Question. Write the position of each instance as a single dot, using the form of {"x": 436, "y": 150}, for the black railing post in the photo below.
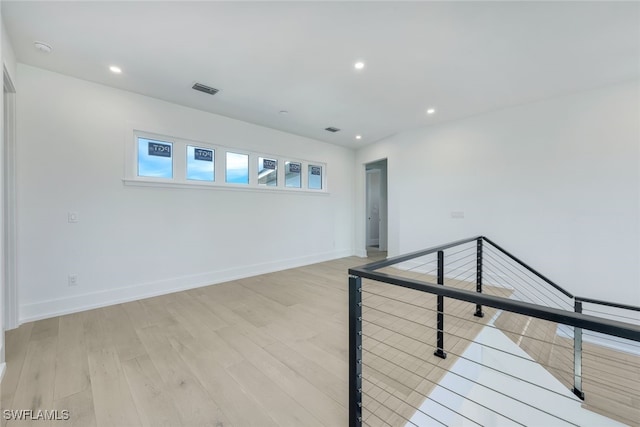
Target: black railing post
{"x": 355, "y": 351}
{"x": 577, "y": 355}
{"x": 479, "y": 312}
{"x": 440, "y": 333}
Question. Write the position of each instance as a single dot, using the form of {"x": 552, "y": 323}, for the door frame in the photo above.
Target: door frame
{"x": 368, "y": 240}
{"x": 384, "y": 203}
{"x": 9, "y": 212}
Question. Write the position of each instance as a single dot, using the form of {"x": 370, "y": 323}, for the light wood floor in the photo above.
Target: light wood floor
{"x": 611, "y": 379}
{"x": 263, "y": 351}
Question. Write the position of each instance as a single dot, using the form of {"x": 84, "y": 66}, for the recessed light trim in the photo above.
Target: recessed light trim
{"x": 431, "y": 111}
{"x": 42, "y": 47}
{"x": 284, "y": 112}
{"x": 332, "y": 129}
{"x": 358, "y": 65}
{"x": 115, "y": 69}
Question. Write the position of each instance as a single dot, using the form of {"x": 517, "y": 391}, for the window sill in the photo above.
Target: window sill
{"x": 215, "y": 186}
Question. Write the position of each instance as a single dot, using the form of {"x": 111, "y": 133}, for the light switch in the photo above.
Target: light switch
{"x": 73, "y": 217}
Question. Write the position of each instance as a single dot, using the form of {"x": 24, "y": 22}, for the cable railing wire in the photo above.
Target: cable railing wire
{"x": 566, "y": 329}
{"x": 468, "y": 259}
{"x": 488, "y": 367}
{"x": 598, "y": 357}
{"x": 389, "y": 409}
{"x": 557, "y": 368}
{"x": 471, "y": 247}
{"x": 451, "y": 391}
{"x": 421, "y": 394}
{"x": 590, "y": 310}
{"x": 450, "y": 315}
{"x": 610, "y": 339}
{"x": 395, "y": 397}
{"x": 528, "y": 295}
{"x": 527, "y": 278}
{"x": 460, "y": 376}
{"x": 531, "y": 293}
{"x": 474, "y": 362}
{"x": 523, "y": 287}
{"x": 541, "y": 283}
{"x": 464, "y": 338}
{"x": 504, "y": 330}
{"x": 376, "y": 415}
{"x": 525, "y": 268}
{"x": 553, "y": 300}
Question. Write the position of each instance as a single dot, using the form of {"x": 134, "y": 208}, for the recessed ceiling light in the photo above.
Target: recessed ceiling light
{"x": 284, "y": 112}
{"x": 431, "y": 110}
{"x": 358, "y": 136}
{"x": 358, "y": 65}
{"x": 115, "y": 69}
{"x": 43, "y": 47}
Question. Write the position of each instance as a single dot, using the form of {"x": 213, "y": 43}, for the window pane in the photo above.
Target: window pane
{"x": 155, "y": 158}
{"x": 292, "y": 174}
{"x": 267, "y": 172}
{"x": 237, "y": 168}
{"x": 200, "y": 163}
{"x": 315, "y": 177}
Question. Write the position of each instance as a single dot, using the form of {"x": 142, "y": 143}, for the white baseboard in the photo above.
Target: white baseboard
{"x": 362, "y": 253}
{"x": 61, "y": 306}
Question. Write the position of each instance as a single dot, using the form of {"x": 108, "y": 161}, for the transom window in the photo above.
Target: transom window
{"x": 155, "y": 159}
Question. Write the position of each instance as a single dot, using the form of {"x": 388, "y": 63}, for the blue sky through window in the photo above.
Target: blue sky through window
{"x": 155, "y": 158}
{"x": 293, "y": 176}
{"x": 237, "y": 168}
{"x": 200, "y": 167}
{"x": 315, "y": 177}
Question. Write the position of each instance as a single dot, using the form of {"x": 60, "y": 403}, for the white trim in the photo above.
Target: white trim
{"x": 3, "y": 368}
{"x": 10, "y": 213}
{"x": 179, "y": 162}
{"x": 202, "y": 185}
{"x": 362, "y": 253}
{"x": 76, "y": 303}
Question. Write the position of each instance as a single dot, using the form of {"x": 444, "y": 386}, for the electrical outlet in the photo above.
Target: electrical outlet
{"x": 73, "y": 280}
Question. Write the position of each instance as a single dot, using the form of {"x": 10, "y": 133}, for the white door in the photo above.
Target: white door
{"x": 373, "y": 207}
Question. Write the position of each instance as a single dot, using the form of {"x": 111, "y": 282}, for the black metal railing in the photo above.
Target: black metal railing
{"x": 476, "y": 271}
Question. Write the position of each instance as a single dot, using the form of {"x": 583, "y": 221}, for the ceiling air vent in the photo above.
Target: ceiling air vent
{"x": 205, "y": 89}
{"x": 332, "y": 129}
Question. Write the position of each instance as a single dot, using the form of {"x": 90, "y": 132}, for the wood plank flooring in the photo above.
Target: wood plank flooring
{"x": 611, "y": 378}
{"x": 270, "y": 350}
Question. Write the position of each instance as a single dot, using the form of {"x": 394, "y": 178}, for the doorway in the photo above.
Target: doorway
{"x": 376, "y": 207}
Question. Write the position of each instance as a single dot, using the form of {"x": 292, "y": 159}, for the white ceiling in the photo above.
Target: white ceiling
{"x": 463, "y": 58}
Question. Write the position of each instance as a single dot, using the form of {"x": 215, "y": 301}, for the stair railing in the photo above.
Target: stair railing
{"x": 482, "y": 258}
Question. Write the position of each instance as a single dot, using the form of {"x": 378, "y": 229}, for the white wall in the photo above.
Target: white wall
{"x": 133, "y": 242}
{"x": 555, "y": 182}
{"x": 8, "y": 55}
{"x": 2, "y": 282}
{"x": 9, "y": 144}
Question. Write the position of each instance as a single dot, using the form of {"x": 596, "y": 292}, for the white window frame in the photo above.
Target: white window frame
{"x": 179, "y": 158}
